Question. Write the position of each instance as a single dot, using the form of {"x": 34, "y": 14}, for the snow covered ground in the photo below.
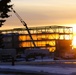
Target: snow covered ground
{"x": 43, "y": 69}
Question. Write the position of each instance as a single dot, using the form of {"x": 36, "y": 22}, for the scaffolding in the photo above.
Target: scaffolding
{"x": 44, "y": 36}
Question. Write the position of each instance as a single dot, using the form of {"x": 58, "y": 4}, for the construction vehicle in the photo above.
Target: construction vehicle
{"x": 34, "y": 50}
{"x": 23, "y": 22}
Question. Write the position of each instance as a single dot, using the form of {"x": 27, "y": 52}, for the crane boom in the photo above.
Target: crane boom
{"x": 23, "y": 22}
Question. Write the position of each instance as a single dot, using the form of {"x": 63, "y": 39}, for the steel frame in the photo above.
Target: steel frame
{"x": 44, "y": 36}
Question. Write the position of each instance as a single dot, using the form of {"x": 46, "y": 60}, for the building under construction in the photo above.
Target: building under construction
{"x": 43, "y": 37}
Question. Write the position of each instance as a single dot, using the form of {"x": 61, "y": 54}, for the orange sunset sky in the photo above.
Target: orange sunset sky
{"x": 42, "y": 12}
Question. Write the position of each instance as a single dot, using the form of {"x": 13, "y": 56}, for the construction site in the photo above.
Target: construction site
{"x": 44, "y": 44}
{"x": 41, "y": 40}
{"x": 44, "y": 37}
{"x": 49, "y": 37}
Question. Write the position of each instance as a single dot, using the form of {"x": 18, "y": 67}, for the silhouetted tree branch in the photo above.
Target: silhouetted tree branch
{"x": 4, "y": 9}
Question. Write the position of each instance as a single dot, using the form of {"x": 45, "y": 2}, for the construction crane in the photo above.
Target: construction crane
{"x": 23, "y": 22}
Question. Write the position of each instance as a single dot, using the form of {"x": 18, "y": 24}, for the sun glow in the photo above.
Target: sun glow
{"x": 74, "y": 36}
{"x": 74, "y": 42}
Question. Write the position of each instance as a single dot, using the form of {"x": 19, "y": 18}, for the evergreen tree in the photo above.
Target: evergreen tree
{"x": 4, "y": 9}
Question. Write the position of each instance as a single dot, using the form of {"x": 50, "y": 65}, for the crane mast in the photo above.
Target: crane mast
{"x": 23, "y": 22}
